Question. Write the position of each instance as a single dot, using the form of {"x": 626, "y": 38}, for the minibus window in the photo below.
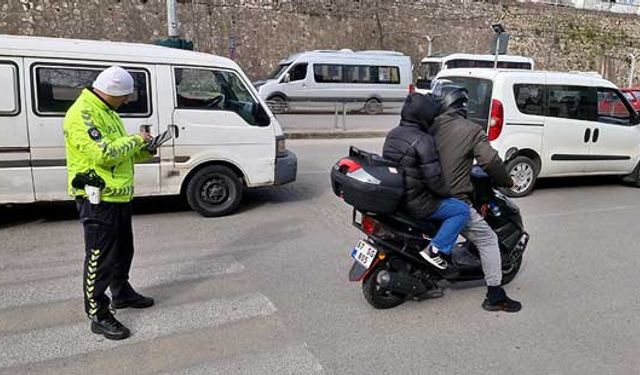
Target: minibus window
{"x": 209, "y": 89}
{"x": 58, "y": 87}
{"x": 275, "y": 74}
{"x": 9, "y": 98}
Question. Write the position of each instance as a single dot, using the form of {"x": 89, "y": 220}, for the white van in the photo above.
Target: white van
{"x": 549, "y": 124}
{"x": 368, "y": 77}
{"x": 430, "y": 66}
{"x": 228, "y": 139}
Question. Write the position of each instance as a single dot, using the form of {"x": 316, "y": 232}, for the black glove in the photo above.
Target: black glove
{"x": 88, "y": 178}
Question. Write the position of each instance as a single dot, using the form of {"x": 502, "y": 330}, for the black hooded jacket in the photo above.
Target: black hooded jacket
{"x": 410, "y": 145}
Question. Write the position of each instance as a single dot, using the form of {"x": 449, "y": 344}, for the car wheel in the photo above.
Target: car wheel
{"x": 372, "y": 107}
{"x": 215, "y": 190}
{"x": 524, "y": 173}
{"x": 278, "y": 104}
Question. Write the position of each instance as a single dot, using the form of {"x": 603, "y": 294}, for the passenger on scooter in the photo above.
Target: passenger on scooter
{"x": 427, "y": 195}
{"x": 459, "y": 142}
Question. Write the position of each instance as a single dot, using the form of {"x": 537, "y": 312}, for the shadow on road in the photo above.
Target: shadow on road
{"x": 573, "y": 182}
{"x": 19, "y": 214}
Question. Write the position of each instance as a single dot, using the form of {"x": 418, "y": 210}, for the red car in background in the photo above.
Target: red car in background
{"x": 633, "y": 96}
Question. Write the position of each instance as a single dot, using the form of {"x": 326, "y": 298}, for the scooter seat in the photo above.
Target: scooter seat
{"x": 428, "y": 226}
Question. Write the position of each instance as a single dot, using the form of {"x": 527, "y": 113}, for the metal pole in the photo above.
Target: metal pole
{"x": 172, "y": 19}
{"x": 495, "y": 62}
{"x": 335, "y": 117}
{"x": 344, "y": 116}
{"x": 430, "y": 39}
{"x": 632, "y": 71}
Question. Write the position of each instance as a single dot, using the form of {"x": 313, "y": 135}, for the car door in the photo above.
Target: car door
{"x": 567, "y": 128}
{"x": 615, "y": 138}
{"x": 16, "y": 183}
{"x": 295, "y": 82}
{"x": 55, "y": 85}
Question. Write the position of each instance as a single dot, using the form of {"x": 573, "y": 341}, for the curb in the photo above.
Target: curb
{"x": 335, "y": 134}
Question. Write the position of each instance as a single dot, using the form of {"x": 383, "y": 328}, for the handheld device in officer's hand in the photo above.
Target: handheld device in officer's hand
{"x": 159, "y": 140}
{"x": 91, "y": 183}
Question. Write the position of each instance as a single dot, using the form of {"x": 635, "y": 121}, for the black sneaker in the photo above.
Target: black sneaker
{"x": 497, "y": 300}
{"x": 137, "y": 301}
{"x": 106, "y": 324}
{"x": 433, "y": 257}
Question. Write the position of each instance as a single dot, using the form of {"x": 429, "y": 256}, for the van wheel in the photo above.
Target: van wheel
{"x": 524, "y": 172}
{"x": 278, "y": 104}
{"x": 372, "y": 107}
{"x": 214, "y": 191}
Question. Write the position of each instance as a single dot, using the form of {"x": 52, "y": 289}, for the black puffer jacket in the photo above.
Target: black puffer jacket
{"x": 410, "y": 145}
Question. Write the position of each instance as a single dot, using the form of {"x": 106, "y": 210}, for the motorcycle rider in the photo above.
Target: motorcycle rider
{"x": 427, "y": 196}
{"x": 459, "y": 141}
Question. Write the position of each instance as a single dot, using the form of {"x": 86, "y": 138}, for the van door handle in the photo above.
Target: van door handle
{"x": 587, "y": 135}
{"x": 596, "y": 133}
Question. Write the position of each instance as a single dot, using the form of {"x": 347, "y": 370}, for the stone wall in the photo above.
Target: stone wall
{"x": 264, "y": 31}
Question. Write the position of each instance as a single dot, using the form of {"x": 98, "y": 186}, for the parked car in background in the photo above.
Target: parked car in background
{"x": 430, "y": 66}
{"x": 633, "y": 96}
{"x": 368, "y": 77}
{"x": 550, "y": 124}
{"x": 228, "y": 138}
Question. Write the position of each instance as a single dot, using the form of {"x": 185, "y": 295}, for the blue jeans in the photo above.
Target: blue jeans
{"x": 454, "y": 214}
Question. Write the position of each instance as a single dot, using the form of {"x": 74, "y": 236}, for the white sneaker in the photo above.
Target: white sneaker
{"x": 432, "y": 255}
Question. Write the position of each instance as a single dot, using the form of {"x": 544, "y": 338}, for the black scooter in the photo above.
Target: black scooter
{"x": 387, "y": 262}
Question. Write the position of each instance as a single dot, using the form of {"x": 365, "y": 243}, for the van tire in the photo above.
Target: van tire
{"x": 278, "y": 104}
{"x": 526, "y": 172}
{"x": 214, "y": 190}
{"x": 372, "y": 106}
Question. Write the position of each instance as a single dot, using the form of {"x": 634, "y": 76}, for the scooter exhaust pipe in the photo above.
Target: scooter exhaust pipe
{"x": 400, "y": 283}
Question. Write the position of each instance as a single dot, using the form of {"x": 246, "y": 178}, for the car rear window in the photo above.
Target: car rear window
{"x": 480, "y": 91}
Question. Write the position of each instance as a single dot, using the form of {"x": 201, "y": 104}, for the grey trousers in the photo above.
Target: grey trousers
{"x": 480, "y": 234}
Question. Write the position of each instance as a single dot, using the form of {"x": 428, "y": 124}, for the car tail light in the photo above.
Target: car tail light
{"x": 412, "y": 88}
{"x": 369, "y": 225}
{"x": 347, "y": 165}
{"x": 497, "y": 119}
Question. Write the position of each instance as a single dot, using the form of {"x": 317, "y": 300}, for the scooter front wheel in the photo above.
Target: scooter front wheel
{"x": 377, "y": 296}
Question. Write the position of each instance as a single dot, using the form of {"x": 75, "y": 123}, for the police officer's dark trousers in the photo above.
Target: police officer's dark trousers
{"x": 108, "y": 238}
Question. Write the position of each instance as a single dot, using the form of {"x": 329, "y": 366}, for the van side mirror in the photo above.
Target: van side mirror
{"x": 287, "y": 78}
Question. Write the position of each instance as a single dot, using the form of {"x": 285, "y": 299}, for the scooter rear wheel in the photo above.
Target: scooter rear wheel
{"x": 510, "y": 274}
{"x": 375, "y": 295}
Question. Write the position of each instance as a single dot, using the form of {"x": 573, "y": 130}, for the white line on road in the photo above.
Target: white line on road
{"x": 287, "y": 361}
{"x": 71, "y": 286}
{"x": 64, "y": 341}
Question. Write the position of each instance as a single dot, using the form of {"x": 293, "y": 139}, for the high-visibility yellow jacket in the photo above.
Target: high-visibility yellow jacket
{"x": 95, "y": 139}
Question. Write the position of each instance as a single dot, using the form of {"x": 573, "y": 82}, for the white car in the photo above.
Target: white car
{"x": 368, "y": 77}
{"x": 550, "y": 124}
{"x": 228, "y": 138}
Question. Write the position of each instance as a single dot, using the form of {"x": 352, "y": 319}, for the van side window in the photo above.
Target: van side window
{"x": 217, "y": 90}
{"x": 611, "y": 108}
{"x": 57, "y": 87}
{"x": 572, "y": 102}
{"x": 298, "y": 72}
{"x": 529, "y": 99}
{"x": 333, "y": 73}
{"x": 9, "y": 99}
{"x": 327, "y": 73}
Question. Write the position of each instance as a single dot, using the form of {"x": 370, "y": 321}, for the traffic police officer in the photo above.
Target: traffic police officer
{"x": 100, "y": 163}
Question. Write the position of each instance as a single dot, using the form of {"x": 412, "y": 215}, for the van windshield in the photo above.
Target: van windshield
{"x": 277, "y": 72}
{"x": 480, "y": 91}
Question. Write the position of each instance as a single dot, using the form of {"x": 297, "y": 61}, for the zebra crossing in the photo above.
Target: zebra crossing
{"x": 203, "y": 330}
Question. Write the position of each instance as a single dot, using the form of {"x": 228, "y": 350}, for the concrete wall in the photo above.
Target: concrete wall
{"x": 264, "y": 31}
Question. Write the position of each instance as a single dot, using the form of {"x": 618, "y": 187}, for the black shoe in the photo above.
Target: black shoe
{"x": 109, "y": 327}
{"x": 433, "y": 257}
{"x": 137, "y": 301}
{"x": 497, "y": 300}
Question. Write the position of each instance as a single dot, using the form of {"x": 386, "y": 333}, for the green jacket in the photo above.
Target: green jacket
{"x": 95, "y": 139}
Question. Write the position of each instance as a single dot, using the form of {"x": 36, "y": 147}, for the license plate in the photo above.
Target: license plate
{"x": 364, "y": 253}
